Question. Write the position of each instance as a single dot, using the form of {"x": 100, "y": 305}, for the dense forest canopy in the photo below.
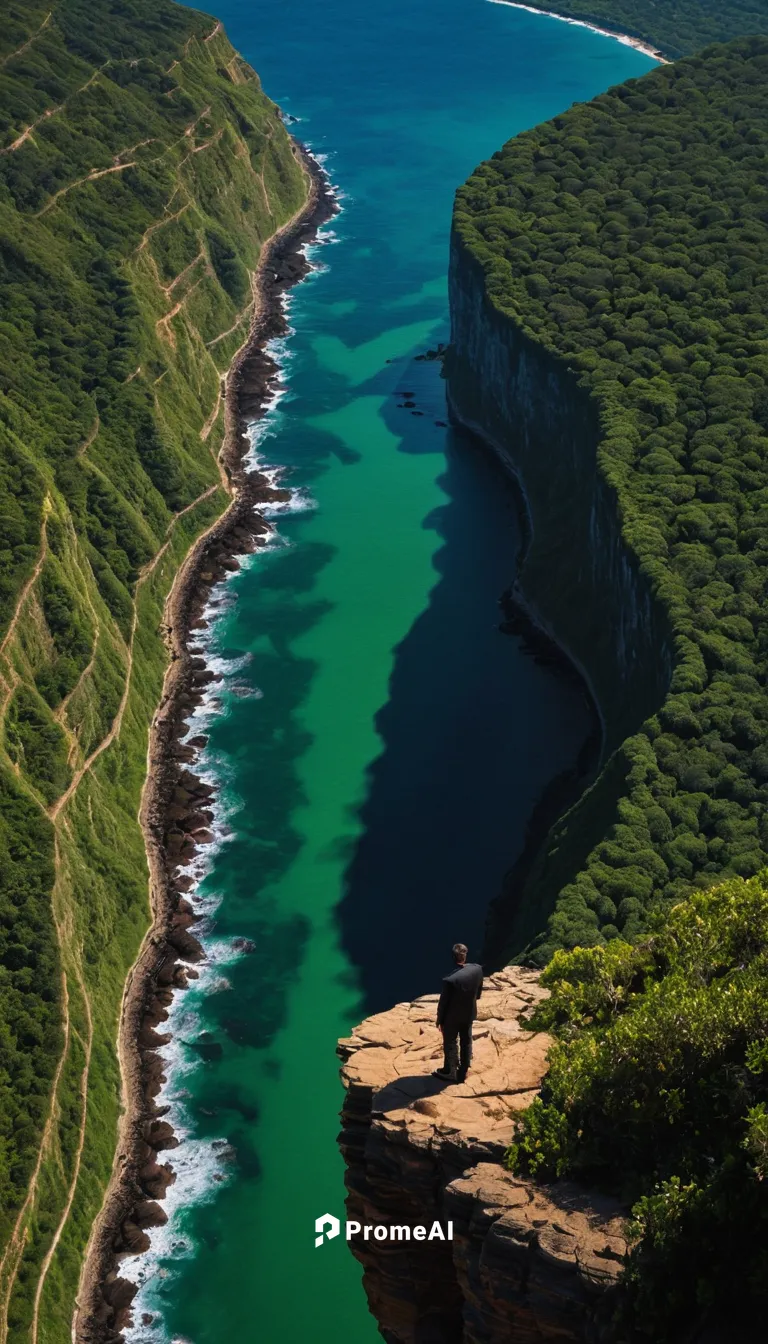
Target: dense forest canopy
{"x": 658, "y": 1090}
{"x": 141, "y": 168}
{"x": 676, "y": 27}
{"x": 630, "y": 238}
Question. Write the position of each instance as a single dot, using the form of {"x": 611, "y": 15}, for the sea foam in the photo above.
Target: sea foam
{"x": 202, "y": 1166}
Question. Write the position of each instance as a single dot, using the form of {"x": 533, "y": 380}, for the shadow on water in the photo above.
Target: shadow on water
{"x": 262, "y": 741}
{"x": 447, "y": 800}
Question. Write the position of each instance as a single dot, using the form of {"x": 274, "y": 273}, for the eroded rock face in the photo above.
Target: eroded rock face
{"x": 526, "y": 1263}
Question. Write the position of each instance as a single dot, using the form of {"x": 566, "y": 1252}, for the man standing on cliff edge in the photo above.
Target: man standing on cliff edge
{"x": 456, "y": 1012}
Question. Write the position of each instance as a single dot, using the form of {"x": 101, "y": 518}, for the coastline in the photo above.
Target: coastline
{"x": 175, "y": 832}
{"x": 628, "y": 41}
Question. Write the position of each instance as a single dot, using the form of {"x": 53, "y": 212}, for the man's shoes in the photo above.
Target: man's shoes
{"x": 445, "y": 1075}
{"x": 462, "y": 1077}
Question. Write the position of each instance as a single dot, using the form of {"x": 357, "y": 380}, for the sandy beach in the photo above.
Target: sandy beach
{"x": 628, "y": 41}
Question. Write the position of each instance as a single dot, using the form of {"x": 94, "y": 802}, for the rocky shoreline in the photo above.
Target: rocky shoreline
{"x": 176, "y": 810}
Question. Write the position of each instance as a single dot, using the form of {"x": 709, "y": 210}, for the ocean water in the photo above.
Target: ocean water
{"x": 378, "y": 744}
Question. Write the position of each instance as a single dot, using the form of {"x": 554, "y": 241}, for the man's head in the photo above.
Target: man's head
{"x": 459, "y": 953}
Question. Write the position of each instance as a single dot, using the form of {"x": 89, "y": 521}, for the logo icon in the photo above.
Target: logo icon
{"x": 327, "y": 1226}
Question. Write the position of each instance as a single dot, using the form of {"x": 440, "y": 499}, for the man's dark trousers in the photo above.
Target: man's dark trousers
{"x": 456, "y": 1011}
{"x": 457, "y": 1048}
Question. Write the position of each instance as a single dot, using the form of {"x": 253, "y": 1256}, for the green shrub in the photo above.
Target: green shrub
{"x": 658, "y": 1090}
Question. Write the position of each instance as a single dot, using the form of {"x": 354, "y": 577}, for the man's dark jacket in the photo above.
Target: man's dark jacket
{"x": 458, "y": 1000}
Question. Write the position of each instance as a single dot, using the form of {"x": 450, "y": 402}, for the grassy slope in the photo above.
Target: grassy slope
{"x": 674, "y": 27}
{"x": 141, "y": 168}
{"x": 628, "y": 239}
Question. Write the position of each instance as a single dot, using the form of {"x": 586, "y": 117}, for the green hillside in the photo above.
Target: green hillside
{"x": 629, "y": 239}
{"x": 141, "y": 169}
{"x": 675, "y": 27}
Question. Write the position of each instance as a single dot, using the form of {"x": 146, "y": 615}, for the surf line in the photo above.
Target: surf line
{"x": 624, "y": 38}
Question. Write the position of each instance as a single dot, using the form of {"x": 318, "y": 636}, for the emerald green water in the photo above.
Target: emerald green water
{"x": 379, "y": 745}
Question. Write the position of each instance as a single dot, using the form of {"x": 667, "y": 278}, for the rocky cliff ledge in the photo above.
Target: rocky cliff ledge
{"x": 527, "y": 1263}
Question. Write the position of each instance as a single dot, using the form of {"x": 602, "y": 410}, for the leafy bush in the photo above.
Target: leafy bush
{"x": 658, "y": 1090}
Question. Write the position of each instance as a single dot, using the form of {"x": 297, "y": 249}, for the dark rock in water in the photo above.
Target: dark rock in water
{"x": 161, "y": 1136}
{"x": 441, "y": 424}
{"x": 119, "y": 1293}
{"x": 243, "y": 945}
{"x": 417, "y": 412}
{"x": 209, "y": 1051}
{"x": 132, "y": 1238}
{"x": 156, "y": 1179}
{"x": 148, "y": 1213}
{"x": 146, "y": 1318}
{"x": 203, "y": 837}
{"x": 184, "y": 943}
{"x": 409, "y": 404}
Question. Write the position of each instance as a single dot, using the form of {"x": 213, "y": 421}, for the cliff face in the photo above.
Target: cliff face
{"x": 577, "y": 580}
{"x": 526, "y": 1262}
{"x": 578, "y": 577}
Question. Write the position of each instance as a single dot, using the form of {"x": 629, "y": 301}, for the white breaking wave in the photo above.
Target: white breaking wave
{"x": 201, "y": 1166}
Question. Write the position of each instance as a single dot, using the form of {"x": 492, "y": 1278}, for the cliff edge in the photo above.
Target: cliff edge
{"x": 526, "y": 1262}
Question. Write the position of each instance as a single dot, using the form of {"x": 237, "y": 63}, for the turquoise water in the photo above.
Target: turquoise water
{"x": 379, "y": 743}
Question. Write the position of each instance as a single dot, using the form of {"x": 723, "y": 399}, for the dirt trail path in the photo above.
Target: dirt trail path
{"x": 61, "y": 712}
{"x": 13, "y": 54}
{"x": 163, "y": 325}
{"x": 93, "y": 176}
{"x": 213, "y": 417}
{"x": 29, "y": 130}
{"x": 32, "y": 580}
{"x": 14, "y": 1249}
{"x": 160, "y": 223}
{"x": 85, "y": 445}
{"x": 177, "y": 279}
{"x": 51, "y": 112}
{"x": 238, "y": 322}
{"x": 66, "y": 933}
{"x": 55, "y": 809}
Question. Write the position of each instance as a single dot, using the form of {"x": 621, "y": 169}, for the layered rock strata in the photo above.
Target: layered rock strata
{"x": 527, "y": 1263}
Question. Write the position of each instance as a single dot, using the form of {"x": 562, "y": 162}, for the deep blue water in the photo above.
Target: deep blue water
{"x": 380, "y": 782}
